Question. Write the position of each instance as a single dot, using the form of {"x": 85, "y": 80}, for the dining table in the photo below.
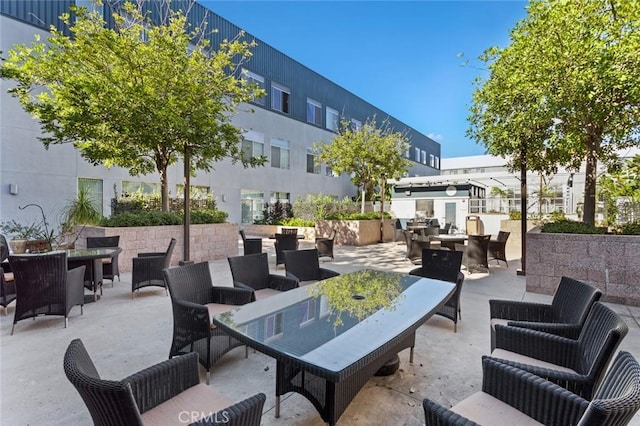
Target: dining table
{"x": 92, "y": 260}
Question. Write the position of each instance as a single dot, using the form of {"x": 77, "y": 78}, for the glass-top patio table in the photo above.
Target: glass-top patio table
{"x": 330, "y": 337}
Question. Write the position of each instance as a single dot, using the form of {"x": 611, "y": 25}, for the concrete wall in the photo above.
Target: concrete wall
{"x": 208, "y": 242}
{"x": 609, "y": 262}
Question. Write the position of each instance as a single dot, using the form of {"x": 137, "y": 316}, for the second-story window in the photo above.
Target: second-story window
{"x": 416, "y": 154}
{"x": 332, "y": 119}
{"x": 314, "y": 112}
{"x": 356, "y": 124}
{"x": 280, "y": 154}
{"x": 280, "y": 98}
{"x": 432, "y": 160}
{"x": 253, "y": 78}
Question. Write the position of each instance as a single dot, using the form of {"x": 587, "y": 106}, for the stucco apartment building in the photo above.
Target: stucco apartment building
{"x": 301, "y": 107}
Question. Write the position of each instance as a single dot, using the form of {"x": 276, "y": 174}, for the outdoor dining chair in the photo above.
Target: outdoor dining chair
{"x": 511, "y": 396}
{"x": 44, "y": 286}
{"x": 497, "y": 247}
{"x": 564, "y": 316}
{"x": 304, "y": 266}
{"x": 576, "y": 365}
{"x": 250, "y": 245}
{"x": 324, "y": 245}
{"x": 444, "y": 265}
{"x": 7, "y": 283}
{"x": 194, "y": 300}
{"x": 110, "y": 268}
{"x": 147, "y": 269}
{"x": 285, "y": 242}
{"x": 163, "y": 394}
{"x": 252, "y": 272}
{"x": 474, "y": 256}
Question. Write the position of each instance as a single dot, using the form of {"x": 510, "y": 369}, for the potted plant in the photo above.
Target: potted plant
{"x": 81, "y": 211}
{"x": 20, "y": 234}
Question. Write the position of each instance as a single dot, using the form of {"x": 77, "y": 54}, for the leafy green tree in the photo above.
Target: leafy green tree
{"x": 619, "y": 183}
{"x": 369, "y": 154}
{"x": 565, "y": 91}
{"x": 137, "y": 96}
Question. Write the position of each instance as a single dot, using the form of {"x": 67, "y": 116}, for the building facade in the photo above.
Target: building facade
{"x": 301, "y": 108}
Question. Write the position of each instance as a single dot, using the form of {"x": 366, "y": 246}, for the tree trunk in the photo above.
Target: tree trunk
{"x": 164, "y": 189}
{"x": 589, "y": 214}
{"x": 364, "y": 193}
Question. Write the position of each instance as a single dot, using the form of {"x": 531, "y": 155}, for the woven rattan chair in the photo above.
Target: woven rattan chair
{"x": 167, "y": 393}
{"x": 285, "y": 242}
{"x": 304, "y": 266}
{"x": 415, "y": 244}
{"x": 147, "y": 269}
{"x": 110, "y": 268}
{"x": 288, "y": 231}
{"x": 7, "y": 283}
{"x": 252, "y": 272}
{"x": 194, "y": 301}
{"x": 44, "y": 286}
{"x": 325, "y": 245}
{"x": 250, "y": 245}
{"x": 511, "y": 396}
{"x": 444, "y": 265}
{"x": 576, "y": 365}
{"x": 475, "y": 253}
{"x": 497, "y": 248}
{"x": 565, "y": 315}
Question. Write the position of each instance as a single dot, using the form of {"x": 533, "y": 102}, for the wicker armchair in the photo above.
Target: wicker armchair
{"x": 147, "y": 269}
{"x": 167, "y": 393}
{"x": 45, "y": 286}
{"x": 194, "y": 301}
{"x": 497, "y": 249}
{"x": 252, "y": 272}
{"x": 444, "y": 265}
{"x": 325, "y": 245}
{"x": 250, "y": 245}
{"x": 576, "y": 365}
{"x": 512, "y": 396}
{"x": 7, "y": 283}
{"x": 285, "y": 242}
{"x": 415, "y": 244}
{"x": 110, "y": 268}
{"x": 288, "y": 231}
{"x": 564, "y": 316}
{"x": 475, "y": 253}
{"x": 304, "y": 266}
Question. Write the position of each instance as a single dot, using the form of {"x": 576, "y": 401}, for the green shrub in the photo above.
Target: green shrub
{"x": 630, "y": 229}
{"x": 202, "y": 216}
{"x": 294, "y": 221}
{"x": 515, "y": 215}
{"x": 142, "y": 219}
{"x": 571, "y": 227}
{"x": 358, "y": 216}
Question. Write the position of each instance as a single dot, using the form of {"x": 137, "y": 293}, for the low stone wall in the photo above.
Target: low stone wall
{"x": 208, "y": 242}
{"x": 608, "y": 262}
{"x": 266, "y": 231}
{"x": 513, "y": 247}
{"x": 357, "y": 232}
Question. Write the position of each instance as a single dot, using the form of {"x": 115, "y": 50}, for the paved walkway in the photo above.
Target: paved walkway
{"x": 124, "y": 335}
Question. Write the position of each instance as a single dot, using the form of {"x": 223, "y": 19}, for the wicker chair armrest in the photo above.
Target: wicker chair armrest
{"x": 244, "y": 413}
{"x": 149, "y": 254}
{"x": 6, "y": 266}
{"x": 238, "y": 284}
{"x": 520, "y": 311}
{"x": 327, "y": 273}
{"x": 436, "y": 415}
{"x": 508, "y": 384}
{"x": 282, "y": 283}
{"x": 75, "y": 286}
{"x": 536, "y": 344}
{"x": 161, "y": 382}
{"x": 75, "y": 277}
{"x": 570, "y": 331}
{"x": 231, "y": 295}
{"x": 193, "y": 317}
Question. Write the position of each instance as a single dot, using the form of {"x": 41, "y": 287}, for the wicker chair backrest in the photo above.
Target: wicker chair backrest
{"x": 601, "y": 334}
{"x": 303, "y": 264}
{"x": 573, "y": 301}
{"x": 109, "y": 402}
{"x": 618, "y": 398}
{"x": 191, "y": 283}
{"x": 251, "y": 270}
{"x": 4, "y": 249}
{"x": 441, "y": 264}
{"x": 169, "y": 253}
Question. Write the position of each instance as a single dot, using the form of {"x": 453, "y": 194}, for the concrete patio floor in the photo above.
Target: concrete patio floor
{"x": 124, "y": 335}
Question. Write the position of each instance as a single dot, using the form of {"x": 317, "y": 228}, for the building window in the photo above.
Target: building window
{"x": 252, "y": 205}
{"x": 283, "y": 197}
{"x": 328, "y": 171}
{"x": 332, "y": 119}
{"x": 94, "y": 190}
{"x": 356, "y": 124}
{"x": 307, "y": 312}
{"x": 424, "y": 156}
{"x": 432, "y": 160}
{"x": 253, "y": 144}
{"x": 408, "y": 153}
{"x": 273, "y": 326}
{"x": 196, "y": 192}
{"x": 313, "y": 166}
{"x": 437, "y": 162}
{"x": 258, "y": 80}
{"x": 416, "y": 155}
{"x": 280, "y": 98}
{"x": 280, "y": 154}
{"x": 148, "y": 188}
{"x": 314, "y": 112}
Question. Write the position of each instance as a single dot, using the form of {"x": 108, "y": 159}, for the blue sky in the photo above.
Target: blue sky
{"x": 401, "y": 56}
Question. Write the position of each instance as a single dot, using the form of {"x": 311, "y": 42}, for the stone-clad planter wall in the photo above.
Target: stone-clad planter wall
{"x": 208, "y": 242}
{"x": 608, "y": 262}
